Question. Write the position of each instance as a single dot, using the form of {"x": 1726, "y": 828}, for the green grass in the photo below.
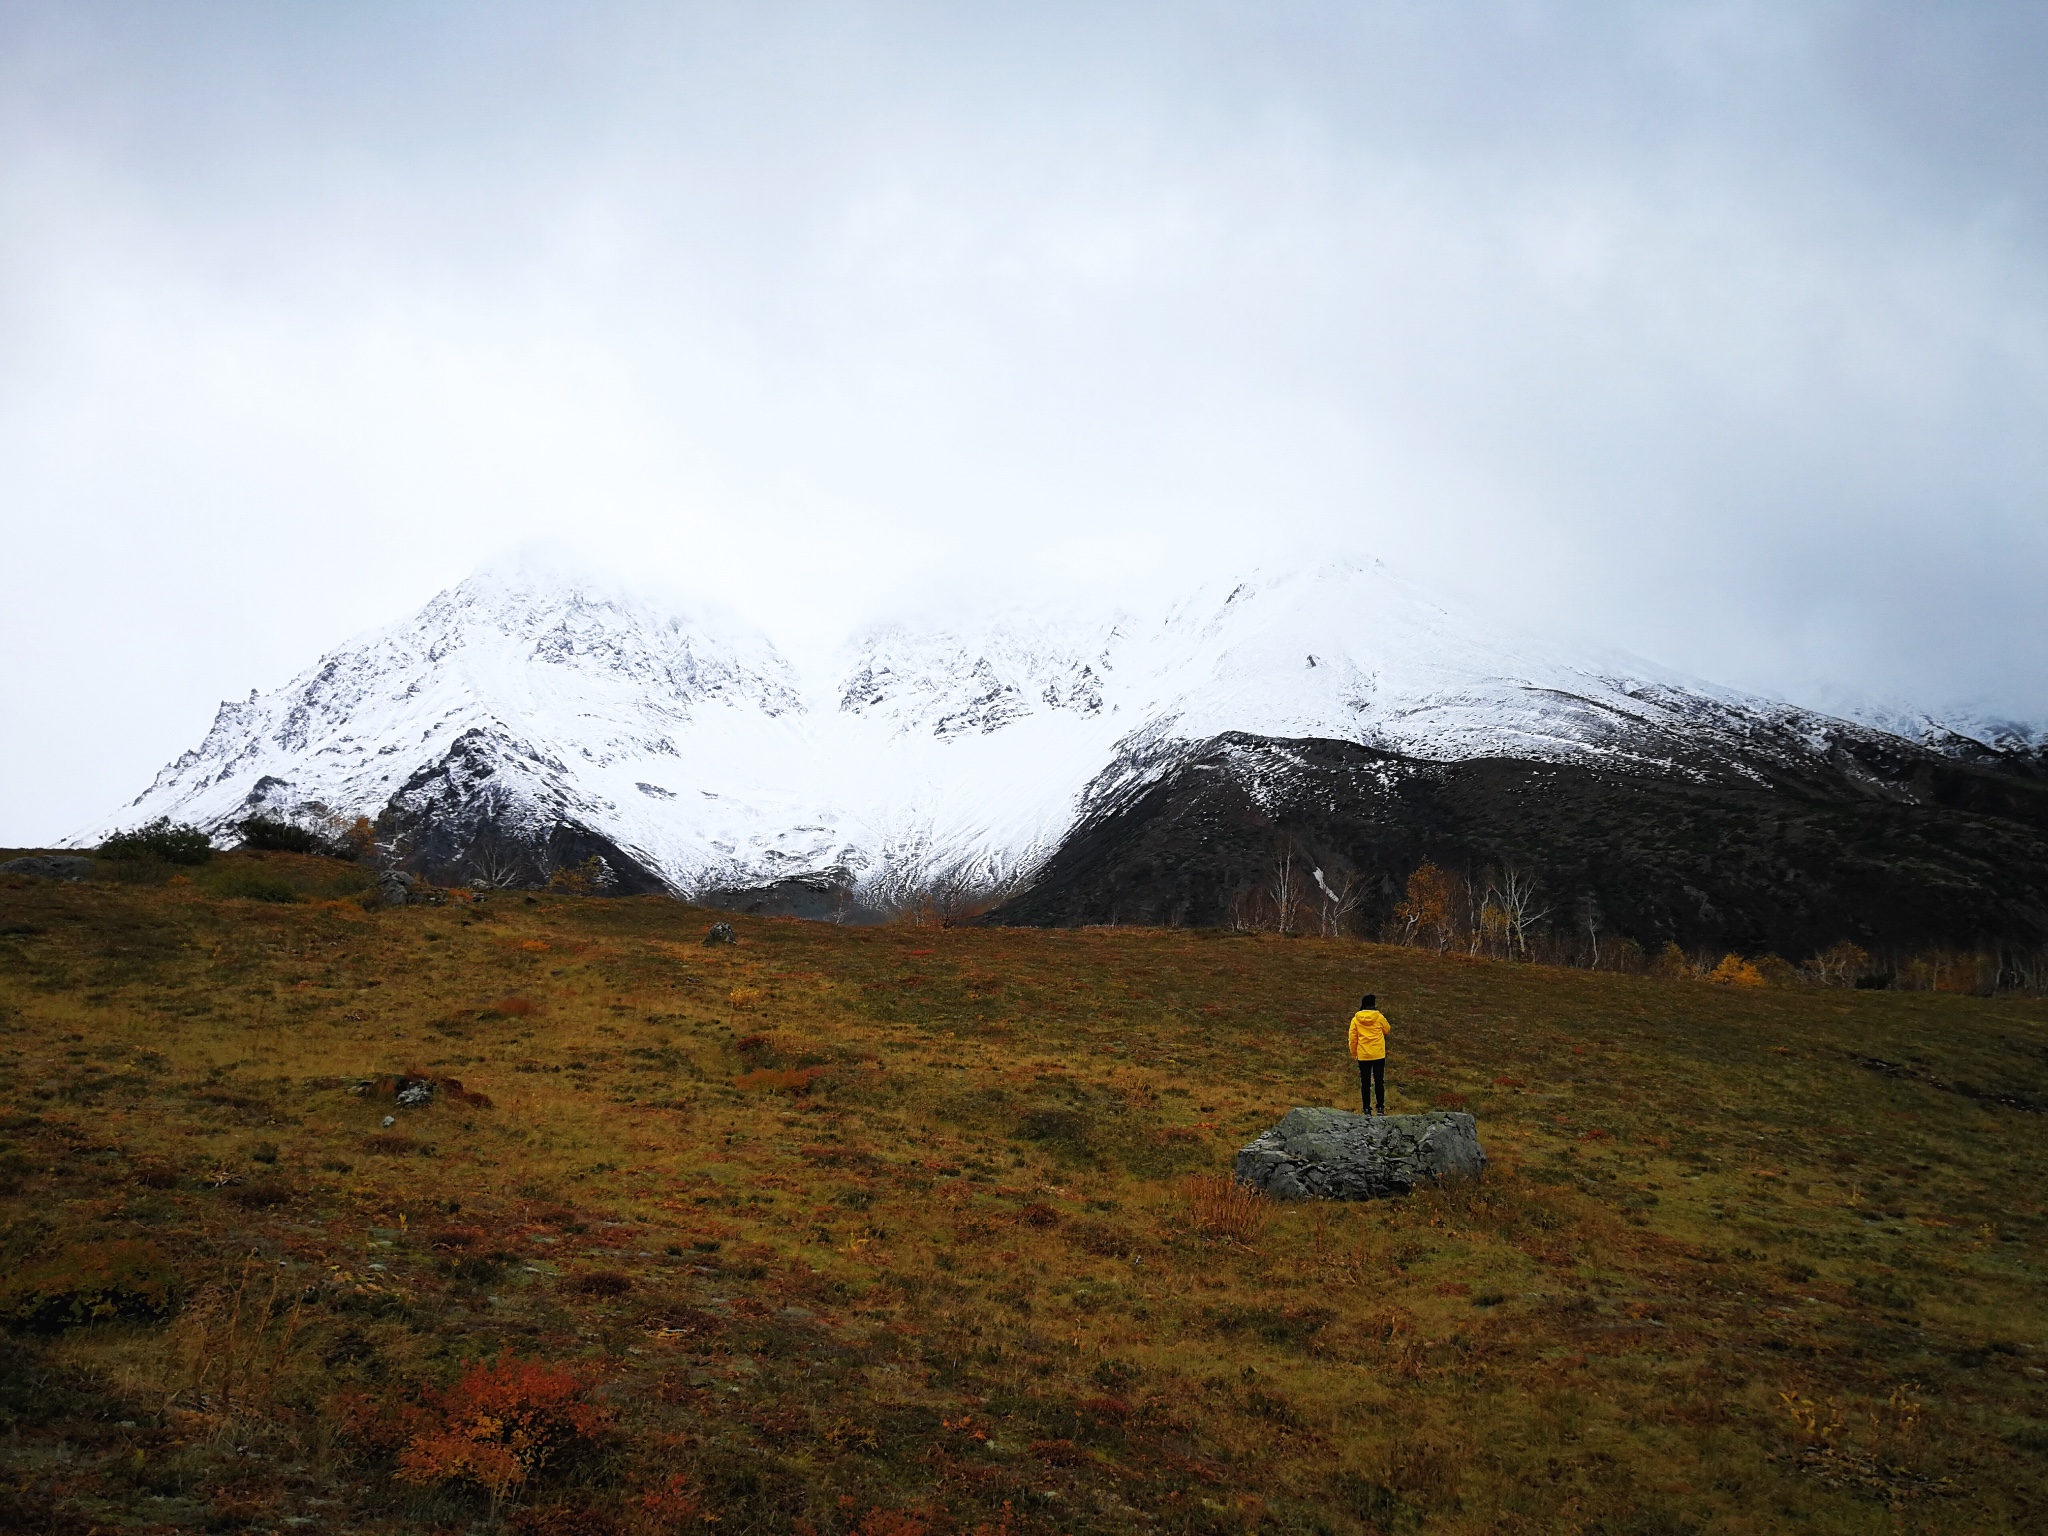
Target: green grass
{"x": 882, "y": 1230}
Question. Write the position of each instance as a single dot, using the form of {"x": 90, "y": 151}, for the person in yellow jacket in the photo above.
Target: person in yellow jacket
{"x": 1369, "y": 1031}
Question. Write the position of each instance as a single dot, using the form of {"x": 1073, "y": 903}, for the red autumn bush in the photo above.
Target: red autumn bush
{"x": 672, "y": 1508}
{"x": 500, "y": 1425}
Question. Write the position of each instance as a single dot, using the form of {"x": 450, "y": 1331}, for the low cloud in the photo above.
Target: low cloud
{"x": 1719, "y": 332}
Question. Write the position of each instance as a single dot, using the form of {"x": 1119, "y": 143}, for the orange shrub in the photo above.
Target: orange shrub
{"x": 1734, "y": 971}
{"x": 500, "y": 1425}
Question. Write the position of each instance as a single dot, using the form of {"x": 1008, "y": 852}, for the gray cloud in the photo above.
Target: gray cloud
{"x": 1716, "y": 331}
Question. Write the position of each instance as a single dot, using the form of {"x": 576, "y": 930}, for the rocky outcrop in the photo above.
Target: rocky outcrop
{"x": 394, "y": 888}
{"x": 50, "y": 866}
{"x": 1333, "y": 1154}
{"x": 825, "y": 897}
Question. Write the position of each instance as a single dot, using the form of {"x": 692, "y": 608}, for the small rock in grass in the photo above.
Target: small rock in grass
{"x": 1334, "y": 1154}
{"x": 721, "y": 933}
{"x": 416, "y": 1095}
{"x": 390, "y": 1121}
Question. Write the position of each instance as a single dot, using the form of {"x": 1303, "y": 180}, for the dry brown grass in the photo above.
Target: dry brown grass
{"x": 1221, "y": 1208}
{"x": 959, "y": 1275}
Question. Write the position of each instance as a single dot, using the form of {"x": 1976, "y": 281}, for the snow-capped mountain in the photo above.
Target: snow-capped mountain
{"x": 1960, "y": 730}
{"x": 521, "y": 720}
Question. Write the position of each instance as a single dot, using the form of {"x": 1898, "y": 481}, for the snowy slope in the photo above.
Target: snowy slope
{"x": 1946, "y": 730}
{"x": 515, "y": 705}
{"x": 583, "y": 705}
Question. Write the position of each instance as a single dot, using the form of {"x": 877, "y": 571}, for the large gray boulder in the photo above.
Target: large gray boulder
{"x": 1333, "y": 1154}
{"x": 394, "y": 888}
{"x": 51, "y": 866}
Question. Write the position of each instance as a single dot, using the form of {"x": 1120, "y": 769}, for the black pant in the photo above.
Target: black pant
{"x": 1372, "y": 1078}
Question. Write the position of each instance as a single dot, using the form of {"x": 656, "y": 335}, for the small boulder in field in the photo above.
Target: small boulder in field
{"x": 1334, "y": 1154}
{"x": 721, "y": 933}
{"x": 417, "y": 1094}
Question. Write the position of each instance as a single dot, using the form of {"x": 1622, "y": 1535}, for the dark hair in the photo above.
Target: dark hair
{"x": 1367, "y": 1001}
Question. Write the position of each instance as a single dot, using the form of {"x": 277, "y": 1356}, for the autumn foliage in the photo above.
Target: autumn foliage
{"x": 1425, "y": 911}
{"x": 500, "y": 1425}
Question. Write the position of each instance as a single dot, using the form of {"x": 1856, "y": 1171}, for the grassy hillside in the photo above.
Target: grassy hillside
{"x": 901, "y": 1230}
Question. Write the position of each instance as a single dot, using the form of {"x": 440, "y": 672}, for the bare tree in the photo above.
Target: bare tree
{"x": 1340, "y": 900}
{"x": 1284, "y": 886}
{"x": 1493, "y": 933}
{"x": 493, "y": 870}
{"x": 1589, "y": 915}
{"x": 1515, "y": 892}
{"x": 1244, "y": 917}
{"x": 494, "y": 863}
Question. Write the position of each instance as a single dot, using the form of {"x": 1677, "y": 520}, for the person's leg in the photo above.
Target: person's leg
{"x": 1379, "y": 1083}
{"x": 1365, "y": 1087}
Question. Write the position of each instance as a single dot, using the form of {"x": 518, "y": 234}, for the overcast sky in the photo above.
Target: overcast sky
{"x": 1718, "y": 332}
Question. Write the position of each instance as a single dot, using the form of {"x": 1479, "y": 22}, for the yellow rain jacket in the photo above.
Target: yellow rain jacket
{"x": 1369, "y": 1035}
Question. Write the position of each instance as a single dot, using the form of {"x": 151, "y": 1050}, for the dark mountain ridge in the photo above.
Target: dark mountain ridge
{"x": 1871, "y": 840}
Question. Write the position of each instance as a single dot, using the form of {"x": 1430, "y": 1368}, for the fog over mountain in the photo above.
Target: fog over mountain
{"x": 1714, "y": 330}
{"x": 695, "y": 745}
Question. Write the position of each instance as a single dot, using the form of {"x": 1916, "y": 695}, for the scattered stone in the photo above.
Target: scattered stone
{"x": 390, "y": 1121}
{"x": 50, "y": 866}
{"x": 721, "y": 933}
{"x": 416, "y": 1095}
{"x": 1334, "y": 1154}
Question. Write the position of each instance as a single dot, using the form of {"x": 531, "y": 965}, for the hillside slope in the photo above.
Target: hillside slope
{"x": 1891, "y": 850}
{"x": 889, "y": 1230}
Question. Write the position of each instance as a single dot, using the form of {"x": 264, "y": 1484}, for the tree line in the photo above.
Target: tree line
{"x": 1503, "y": 912}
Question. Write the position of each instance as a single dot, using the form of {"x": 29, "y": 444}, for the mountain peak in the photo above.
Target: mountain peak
{"x": 543, "y": 707}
